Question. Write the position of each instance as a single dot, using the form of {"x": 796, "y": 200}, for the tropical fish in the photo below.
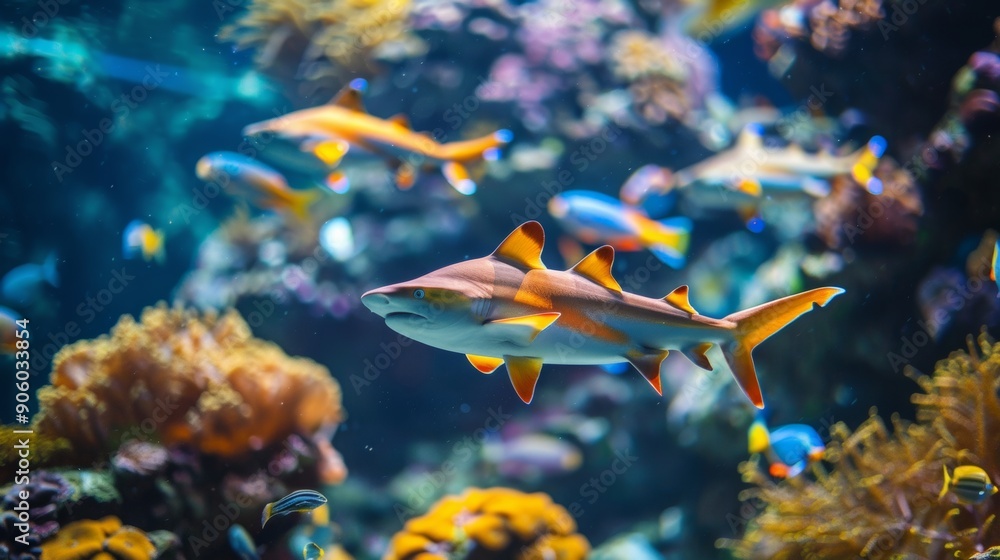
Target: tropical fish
{"x": 507, "y": 308}
{"x": 300, "y": 501}
{"x": 24, "y": 284}
{"x": 140, "y": 239}
{"x": 596, "y": 218}
{"x": 789, "y": 449}
{"x": 750, "y": 173}
{"x": 260, "y": 183}
{"x": 994, "y": 269}
{"x": 9, "y": 330}
{"x": 532, "y": 455}
{"x": 330, "y": 131}
{"x": 312, "y": 551}
{"x": 242, "y": 543}
{"x": 969, "y": 483}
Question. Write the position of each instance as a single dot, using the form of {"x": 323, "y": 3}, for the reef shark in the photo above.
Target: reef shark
{"x": 507, "y": 308}
{"x": 330, "y": 131}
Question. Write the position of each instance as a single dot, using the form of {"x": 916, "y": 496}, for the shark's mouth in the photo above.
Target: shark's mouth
{"x": 403, "y": 315}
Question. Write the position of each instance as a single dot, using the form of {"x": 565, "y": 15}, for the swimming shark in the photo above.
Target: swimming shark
{"x": 508, "y": 308}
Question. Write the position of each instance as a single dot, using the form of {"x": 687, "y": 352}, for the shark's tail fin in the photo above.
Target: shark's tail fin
{"x": 465, "y": 160}
{"x": 756, "y": 324}
{"x": 864, "y": 166}
{"x": 668, "y": 239}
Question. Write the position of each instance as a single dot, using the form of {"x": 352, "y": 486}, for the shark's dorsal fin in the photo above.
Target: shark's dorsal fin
{"x": 750, "y": 137}
{"x": 524, "y": 375}
{"x": 648, "y": 364}
{"x": 523, "y": 330}
{"x": 350, "y": 96}
{"x": 697, "y": 355}
{"x": 596, "y": 267}
{"x": 484, "y": 364}
{"x": 401, "y": 119}
{"x": 679, "y": 299}
{"x": 523, "y": 247}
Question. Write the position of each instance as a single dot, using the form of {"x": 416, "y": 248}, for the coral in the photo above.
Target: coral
{"x": 881, "y": 498}
{"x": 327, "y": 42}
{"x": 46, "y": 492}
{"x": 827, "y": 25}
{"x": 492, "y": 523}
{"x": 104, "y": 539}
{"x": 183, "y": 379}
{"x": 656, "y": 78}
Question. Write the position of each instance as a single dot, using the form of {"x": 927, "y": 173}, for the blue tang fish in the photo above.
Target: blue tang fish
{"x": 789, "y": 449}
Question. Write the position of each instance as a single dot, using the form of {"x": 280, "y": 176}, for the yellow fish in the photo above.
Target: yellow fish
{"x": 139, "y": 238}
{"x": 969, "y": 483}
{"x": 330, "y": 131}
{"x": 261, "y": 184}
{"x": 507, "y": 308}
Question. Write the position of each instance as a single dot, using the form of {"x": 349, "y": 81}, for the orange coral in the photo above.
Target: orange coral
{"x": 181, "y": 379}
{"x": 881, "y": 499}
{"x": 495, "y": 523}
{"x": 104, "y": 539}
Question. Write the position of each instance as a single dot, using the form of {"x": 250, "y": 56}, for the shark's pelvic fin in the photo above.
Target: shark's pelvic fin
{"x": 679, "y": 299}
{"x": 697, "y": 355}
{"x": 523, "y": 330}
{"x": 648, "y": 364}
{"x": 756, "y": 324}
{"x": 596, "y": 267}
{"x": 524, "y": 375}
{"x": 485, "y": 364}
{"x": 523, "y": 247}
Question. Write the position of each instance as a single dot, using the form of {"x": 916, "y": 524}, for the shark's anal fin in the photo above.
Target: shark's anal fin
{"x": 679, "y": 299}
{"x": 523, "y": 330}
{"x": 523, "y": 247}
{"x": 524, "y": 375}
{"x": 697, "y": 355}
{"x": 596, "y": 267}
{"x": 648, "y": 363}
{"x": 485, "y": 364}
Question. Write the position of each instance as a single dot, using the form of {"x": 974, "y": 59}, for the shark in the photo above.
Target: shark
{"x": 750, "y": 173}
{"x": 508, "y": 309}
{"x": 328, "y": 132}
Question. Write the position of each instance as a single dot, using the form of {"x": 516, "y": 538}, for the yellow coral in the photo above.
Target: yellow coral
{"x": 881, "y": 499}
{"x": 324, "y": 40}
{"x": 182, "y": 379}
{"x": 638, "y": 54}
{"x": 104, "y": 539}
{"x": 498, "y": 523}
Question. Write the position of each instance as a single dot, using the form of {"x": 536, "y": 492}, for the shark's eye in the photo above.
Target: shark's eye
{"x": 418, "y": 294}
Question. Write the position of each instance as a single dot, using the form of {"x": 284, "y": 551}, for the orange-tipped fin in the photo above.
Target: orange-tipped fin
{"x": 523, "y": 247}
{"x": 485, "y": 364}
{"x": 524, "y": 329}
{"x": 350, "y": 96}
{"x": 679, "y": 299}
{"x": 523, "y": 375}
{"x": 649, "y": 366}
{"x": 698, "y": 355}
{"x": 331, "y": 152}
{"x": 401, "y": 120}
{"x": 596, "y": 267}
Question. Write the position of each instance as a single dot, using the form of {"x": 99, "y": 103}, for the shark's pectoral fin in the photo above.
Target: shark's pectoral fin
{"x": 522, "y": 330}
{"x": 524, "y": 375}
{"x": 679, "y": 299}
{"x": 523, "y": 247}
{"x": 648, "y": 364}
{"x": 596, "y": 267}
{"x": 697, "y": 355}
{"x": 458, "y": 177}
{"x": 750, "y": 187}
{"x": 485, "y": 364}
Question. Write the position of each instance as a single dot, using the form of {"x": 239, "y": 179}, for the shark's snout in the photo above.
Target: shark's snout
{"x": 377, "y": 302}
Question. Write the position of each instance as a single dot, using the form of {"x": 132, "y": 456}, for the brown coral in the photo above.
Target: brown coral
{"x": 181, "y": 379}
{"x": 657, "y": 80}
{"x": 495, "y": 523}
{"x": 104, "y": 539}
{"x": 881, "y": 499}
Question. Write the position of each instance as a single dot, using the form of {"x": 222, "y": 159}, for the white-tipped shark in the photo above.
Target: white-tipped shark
{"x": 507, "y": 308}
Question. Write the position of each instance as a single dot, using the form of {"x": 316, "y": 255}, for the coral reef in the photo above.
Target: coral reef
{"x": 103, "y": 539}
{"x": 492, "y": 523}
{"x": 656, "y": 78}
{"x": 180, "y": 379}
{"x": 881, "y": 498}
{"x": 827, "y": 26}
{"x": 324, "y": 43}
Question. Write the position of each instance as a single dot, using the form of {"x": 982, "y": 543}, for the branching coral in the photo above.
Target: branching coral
{"x": 180, "y": 379}
{"x": 326, "y": 42}
{"x": 881, "y": 498}
{"x": 104, "y": 539}
{"x": 492, "y": 523}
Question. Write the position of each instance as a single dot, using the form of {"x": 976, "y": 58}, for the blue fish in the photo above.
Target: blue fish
{"x": 789, "y": 449}
{"x": 242, "y": 543}
{"x": 25, "y": 284}
{"x": 596, "y": 218}
{"x": 300, "y": 501}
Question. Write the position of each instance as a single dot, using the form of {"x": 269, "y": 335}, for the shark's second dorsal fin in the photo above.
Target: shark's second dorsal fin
{"x": 523, "y": 247}
{"x": 350, "y": 96}
{"x": 596, "y": 267}
{"x": 679, "y": 299}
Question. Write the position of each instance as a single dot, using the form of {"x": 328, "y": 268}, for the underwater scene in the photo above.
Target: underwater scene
{"x": 500, "y": 279}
